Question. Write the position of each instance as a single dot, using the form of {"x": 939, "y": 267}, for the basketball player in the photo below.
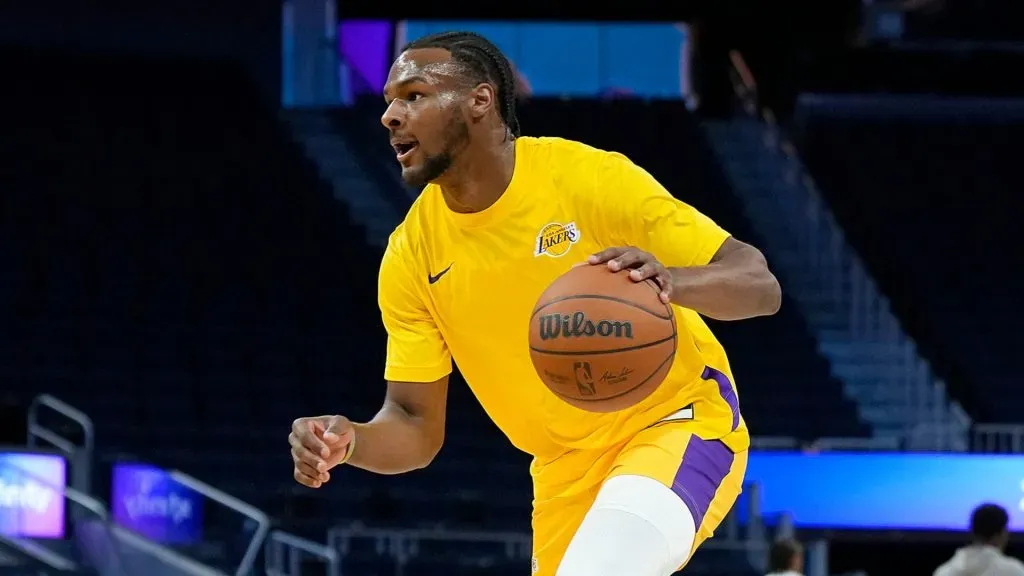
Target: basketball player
{"x": 501, "y": 216}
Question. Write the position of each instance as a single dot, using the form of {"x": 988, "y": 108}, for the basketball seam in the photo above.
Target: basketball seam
{"x": 624, "y": 392}
{"x": 672, "y": 317}
{"x": 600, "y": 352}
{"x": 599, "y": 297}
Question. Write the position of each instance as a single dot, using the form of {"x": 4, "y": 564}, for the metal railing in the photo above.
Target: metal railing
{"x": 259, "y": 517}
{"x": 103, "y": 543}
{"x": 80, "y": 456}
{"x": 38, "y": 553}
{"x": 826, "y": 444}
{"x": 404, "y": 544}
{"x": 998, "y": 438}
{"x": 937, "y": 421}
{"x": 283, "y": 555}
{"x": 749, "y": 535}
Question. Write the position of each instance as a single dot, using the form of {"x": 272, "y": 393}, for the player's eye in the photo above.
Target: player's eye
{"x": 414, "y": 96}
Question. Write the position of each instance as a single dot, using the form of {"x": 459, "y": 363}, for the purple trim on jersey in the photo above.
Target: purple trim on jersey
{"x": 727, "y": 391}
{"x": 705, "y": 464}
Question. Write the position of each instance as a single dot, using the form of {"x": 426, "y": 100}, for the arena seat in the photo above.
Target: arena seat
{"x": 926, "y": 189}
{"x": 180, "y": 273}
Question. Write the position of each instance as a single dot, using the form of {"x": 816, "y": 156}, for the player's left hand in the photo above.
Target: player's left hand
{"x": 641, "y": 265}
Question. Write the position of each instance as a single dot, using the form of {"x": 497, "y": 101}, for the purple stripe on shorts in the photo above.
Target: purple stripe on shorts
{"x": 705, "y": 464}
{"x": 726, "y": 390}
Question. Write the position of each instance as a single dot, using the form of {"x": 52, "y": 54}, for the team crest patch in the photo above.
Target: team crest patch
{"x": 556, "y": 239}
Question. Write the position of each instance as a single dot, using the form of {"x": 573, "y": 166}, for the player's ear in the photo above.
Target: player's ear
{"x": 481, "y": 99}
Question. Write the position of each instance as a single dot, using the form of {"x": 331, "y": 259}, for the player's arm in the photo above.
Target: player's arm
{"x": 408, "y": 431}
{"x": 734, "y": 285}
{"x": 698, "y": 264}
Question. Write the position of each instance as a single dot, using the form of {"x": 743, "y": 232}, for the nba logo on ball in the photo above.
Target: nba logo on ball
{"x": 599, "y": 340}
{"x": 556, "y": 239}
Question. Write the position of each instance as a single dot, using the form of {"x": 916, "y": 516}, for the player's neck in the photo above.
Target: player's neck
{"x": 479, "y": 178}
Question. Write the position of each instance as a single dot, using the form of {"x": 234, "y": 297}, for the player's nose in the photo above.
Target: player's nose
{"x": 392, "y": 117}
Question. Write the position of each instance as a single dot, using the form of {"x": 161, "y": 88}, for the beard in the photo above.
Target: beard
{"x": 432, "y": 168}
{"x": 456, "y": 136}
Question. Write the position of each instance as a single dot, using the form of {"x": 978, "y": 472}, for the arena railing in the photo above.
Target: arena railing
{"x": 828, "y": 444}
{"x": 36, "y": 553}
{"x": 80, "y": 456}
{"x": 998, "y": 438}
{"x": 744, "y": 530}
{"x": 260, "y": 518}
{"x": 283, "y": 554}
{"x": 95, "y": 541}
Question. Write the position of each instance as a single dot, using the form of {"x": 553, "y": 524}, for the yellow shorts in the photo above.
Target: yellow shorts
{"x": 706, "y": 475}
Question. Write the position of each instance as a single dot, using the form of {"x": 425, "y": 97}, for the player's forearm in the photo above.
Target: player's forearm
{"x": 394, "y": 442}
{"x": 738, "y": 286}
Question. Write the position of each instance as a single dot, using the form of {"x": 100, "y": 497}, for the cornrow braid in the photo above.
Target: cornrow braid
{"x": 485, "y": 61}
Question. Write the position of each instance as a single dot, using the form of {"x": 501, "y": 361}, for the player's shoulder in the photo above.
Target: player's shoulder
{"x": 405, "y": 244}
{"x": 571, "y": 165}
{"x": 564, "y": 153}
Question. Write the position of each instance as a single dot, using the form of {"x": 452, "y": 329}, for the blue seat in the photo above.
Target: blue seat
{"x": 923, "y": 197}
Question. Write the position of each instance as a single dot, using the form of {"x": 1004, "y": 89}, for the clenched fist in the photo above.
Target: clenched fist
{"x": 319, "y": 444}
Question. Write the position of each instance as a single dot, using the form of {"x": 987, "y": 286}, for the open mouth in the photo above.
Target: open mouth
{"x": 404, "y": 149}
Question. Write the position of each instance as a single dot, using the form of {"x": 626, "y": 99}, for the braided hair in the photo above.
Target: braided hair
{"x": 484, "y": 61}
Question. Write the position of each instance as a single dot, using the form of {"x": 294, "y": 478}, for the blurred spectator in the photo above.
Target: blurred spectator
{"x": 984, "y": 556}
{"x": 786, "y": 558}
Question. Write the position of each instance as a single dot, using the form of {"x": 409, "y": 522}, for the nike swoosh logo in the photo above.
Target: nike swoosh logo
{"x": 432, "y": 278}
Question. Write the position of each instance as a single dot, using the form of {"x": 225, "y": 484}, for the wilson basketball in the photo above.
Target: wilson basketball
{"x": 601, "y": 341}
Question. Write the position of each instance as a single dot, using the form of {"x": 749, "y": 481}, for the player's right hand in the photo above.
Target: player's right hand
{"x": 318, "y": 444}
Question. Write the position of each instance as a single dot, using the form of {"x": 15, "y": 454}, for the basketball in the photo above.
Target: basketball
{"x": 601, "y": 341}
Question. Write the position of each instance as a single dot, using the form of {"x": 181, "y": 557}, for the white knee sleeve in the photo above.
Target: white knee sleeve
{"x": 637, "y": 526}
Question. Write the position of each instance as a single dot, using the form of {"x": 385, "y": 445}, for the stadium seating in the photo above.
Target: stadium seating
{"x": 926, "y": 189}
{"x": 184, "y": 277}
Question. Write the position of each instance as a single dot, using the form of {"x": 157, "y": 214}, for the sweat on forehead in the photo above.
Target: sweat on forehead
{"x": 438, "y": 63}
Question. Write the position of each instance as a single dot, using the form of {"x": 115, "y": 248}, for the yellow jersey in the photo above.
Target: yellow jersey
{"x": 462, "y": 286}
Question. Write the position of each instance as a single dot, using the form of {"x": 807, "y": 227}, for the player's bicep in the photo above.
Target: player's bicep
{"x": 416, "y": 350}
{"x": 653, "y": 220}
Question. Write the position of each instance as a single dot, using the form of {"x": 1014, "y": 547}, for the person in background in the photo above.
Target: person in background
{"x": 786, "y": 558}
{"x": 984, "y": 555}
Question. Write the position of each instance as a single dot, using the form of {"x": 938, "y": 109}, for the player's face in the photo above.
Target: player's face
{"x": 424, "y": 113}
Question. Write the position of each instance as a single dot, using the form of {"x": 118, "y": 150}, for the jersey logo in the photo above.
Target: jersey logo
{"x": 556, "y": 239}
{"x": 432, "y": 278}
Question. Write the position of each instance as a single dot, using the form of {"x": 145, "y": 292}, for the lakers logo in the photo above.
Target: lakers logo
{"x": 556, "y": 239}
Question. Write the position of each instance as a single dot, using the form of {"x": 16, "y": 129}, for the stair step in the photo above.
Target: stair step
{"x": 884, "y": 416}
{"x": 876, "y": 394}
{"x": 826, "y": 319}
{"x": 889, "y": 430}
{"x": 865, "y": 372}
{"x": 776, "y": 199}
{"x": 845, "y": 351}
{"x": 351, "y": 184}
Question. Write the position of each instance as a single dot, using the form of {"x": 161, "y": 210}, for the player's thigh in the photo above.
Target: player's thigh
{"x": 555, "y": 522}
{"x": 705, "y": 475}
